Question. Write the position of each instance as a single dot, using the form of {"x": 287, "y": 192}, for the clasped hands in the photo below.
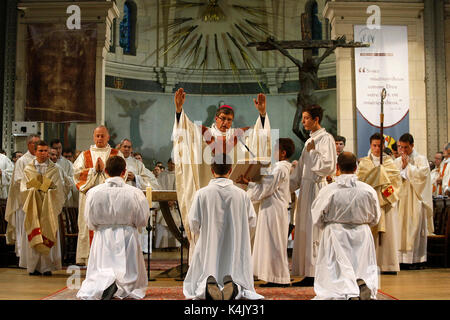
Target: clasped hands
{"x": 99, "y": 165}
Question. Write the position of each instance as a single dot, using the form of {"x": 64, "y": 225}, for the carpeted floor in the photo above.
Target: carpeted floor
{"x": 176, "y": 293}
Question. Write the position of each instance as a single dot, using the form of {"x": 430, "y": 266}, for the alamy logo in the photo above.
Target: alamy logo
{"x": 74, "y": 21}
{"x": 374, "y": 21}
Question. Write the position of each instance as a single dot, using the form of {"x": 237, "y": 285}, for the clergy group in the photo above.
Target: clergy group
{"x": 348, "y": 218}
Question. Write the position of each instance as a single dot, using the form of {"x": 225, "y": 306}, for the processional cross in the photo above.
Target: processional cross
{"x": 307, "y": 68}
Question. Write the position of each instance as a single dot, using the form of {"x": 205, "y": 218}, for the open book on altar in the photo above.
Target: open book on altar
{"x": 253, "y": 169}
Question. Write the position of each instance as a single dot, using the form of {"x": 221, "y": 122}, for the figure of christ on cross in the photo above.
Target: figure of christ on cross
{"x": 307, "y": 69}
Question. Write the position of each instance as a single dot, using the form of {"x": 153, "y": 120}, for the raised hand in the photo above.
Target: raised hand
{"x": 260, "y": 104}
{"x": 180, "y": 96}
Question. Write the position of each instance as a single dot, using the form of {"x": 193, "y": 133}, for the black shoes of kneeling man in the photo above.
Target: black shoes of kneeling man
{"x": 274, "y": 285}
{"x": 364, "y": 291}
{"x": 213, "y": 292}
{"x": 37, "y": 273}
{"x": 109, "y": 292}
{"x": 306, "y": 282}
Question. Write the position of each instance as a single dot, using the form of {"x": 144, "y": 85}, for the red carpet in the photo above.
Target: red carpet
{"x": 176, "y": 293}
{"x": 163, "y": 264}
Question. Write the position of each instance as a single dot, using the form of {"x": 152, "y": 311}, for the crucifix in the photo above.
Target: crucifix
{"x": 307, "y": 68}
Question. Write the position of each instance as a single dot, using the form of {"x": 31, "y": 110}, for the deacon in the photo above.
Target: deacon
{"x": 115, "y": 210}
{"x": 270, "y": 259}
{"x": 318, "y": 160}
{"x": 194, "y": 146}
{"x": 221, "y": 216}
{"x": 346, "y": 265}
{"x": 386, "y": 181}
{"x": 88, "y": 172}
{"x": 415, "y": 205}
{"x": 43, "y": 192}
{"x": 14, "y": 214}
{"x": 6, "y": 170}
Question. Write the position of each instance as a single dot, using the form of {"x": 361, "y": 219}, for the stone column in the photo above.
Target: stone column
{"x": 8, "y": 103}
{"x": 447, "y": 66}
{"x": 343, "y": 15}
{"x": 436, "y": 97}
{"x": 101, "y": 12}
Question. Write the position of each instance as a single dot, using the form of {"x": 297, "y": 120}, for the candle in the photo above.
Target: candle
{"x": 149, "y": 196}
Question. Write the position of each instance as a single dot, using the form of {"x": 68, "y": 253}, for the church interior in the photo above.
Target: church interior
{"x": 68, "y": 67}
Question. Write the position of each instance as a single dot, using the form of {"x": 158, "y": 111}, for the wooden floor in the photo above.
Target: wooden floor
{"x": 427, "y": 284}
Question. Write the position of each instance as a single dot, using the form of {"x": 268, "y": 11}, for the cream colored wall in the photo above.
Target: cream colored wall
{"x": 343, "y": 16}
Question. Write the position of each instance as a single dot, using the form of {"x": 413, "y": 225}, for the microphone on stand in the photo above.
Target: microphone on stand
{"x": 251, "y": 153}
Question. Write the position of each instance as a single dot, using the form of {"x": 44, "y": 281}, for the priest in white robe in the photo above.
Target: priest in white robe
{"x": 140, "y": 177}
{"x": 67, "y": 167}
{"x": 346, "y": 265}
{"x": 67, "y": 181}
{"x": 194, "y": 146}
{"x": 221, "y": 216}
{"x": 6, "y": 170}
{"x": 88, "y": 172}
{"x": 386, "y": 181}
{"x": 164, "y": 238}
{"x": 318, "y": 160}
{"x": 270, "y": 259}
{"x": 115, "y": 210}
{"x": 415, "y": 205}
{"x": 42, "y": 189}
{"x": 14, "y": 214}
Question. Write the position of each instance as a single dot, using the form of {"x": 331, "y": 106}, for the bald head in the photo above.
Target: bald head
{"x": 347, "y": 162}
{"x": 101, "y": 136}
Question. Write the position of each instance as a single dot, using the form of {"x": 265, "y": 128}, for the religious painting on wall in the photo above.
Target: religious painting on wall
{"x": 61, "y": 67}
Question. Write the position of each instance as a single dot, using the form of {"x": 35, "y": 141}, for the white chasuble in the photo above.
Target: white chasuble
{"x": 415, "y": 209}
{"x": 386, "y": 181}
{"x": 43, "y": 194}
{"x": 193, "y": 149}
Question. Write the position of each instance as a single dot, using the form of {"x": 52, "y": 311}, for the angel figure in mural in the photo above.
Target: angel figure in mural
{"x": 134, "y": 110}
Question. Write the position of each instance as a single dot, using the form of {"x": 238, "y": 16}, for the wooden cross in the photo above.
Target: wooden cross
{"x": 307, "y": 69}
